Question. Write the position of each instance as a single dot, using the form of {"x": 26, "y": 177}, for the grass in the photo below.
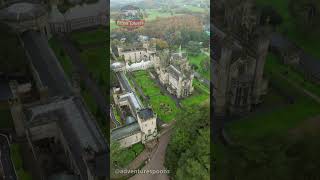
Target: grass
{"x": 63, "y": 58}
{"x": 95, "y": 59}
{"x": 200, "y": 95}
{"x": 197, "y": 61}
{"x": 275, "y": 66}
{"x": 17, "y": 161}
{"x": 113, "y": 24}
{"x": 6, "y": 118}
{"x": 162, "y": 104}
{"x": 129, "y": 154}
{"x": 279, "y": 120}
{"x": 90, "y": 37}
{"x": 307, "y": 41}
{"x": 116, "y": 114}
{"x": 153, "y": 14}
{"x": 194, "y": 8}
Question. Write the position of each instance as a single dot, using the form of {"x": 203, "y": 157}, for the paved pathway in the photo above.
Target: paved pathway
{"x": 308, "y": 63}
{"x": 300, "y": 88}
{"x": 156, "y": 162}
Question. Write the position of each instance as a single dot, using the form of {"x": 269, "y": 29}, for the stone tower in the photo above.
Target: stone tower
{"x": 261, "y": 51}
{"x": 17, "y": 113}
{"x": 221, "y": 79}
{"x": 239, "y": 53}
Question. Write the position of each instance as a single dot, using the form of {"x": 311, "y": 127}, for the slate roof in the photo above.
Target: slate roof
{"x": 46, "y": 64}
{"x": 145, "y": 114}
{"x": 79, "y": 130}
{"x": 87, "y": 10}
{"x": 125, "y": 131}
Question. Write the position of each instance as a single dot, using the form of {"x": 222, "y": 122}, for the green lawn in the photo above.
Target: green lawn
{"x": 275, "y": 66}
{"x": 161, "y": 104}
{"x": 6, "y": 118}
{"x": 90, "y": 37}
{"x": 113, "y": 24}
{"x": 155, "y": 13}
{"x": 279, "y": 120}
{"x": 17, "y": 161}
{"x": 95, "y": 59}
{"x": 200, "y": 95}
{"x": 308, "y": 41}
{"x": 197, "y": 61}
{"x": 63, "y": 58}
{"x": 194, "y": 8}
{"x": 116, "y": 114}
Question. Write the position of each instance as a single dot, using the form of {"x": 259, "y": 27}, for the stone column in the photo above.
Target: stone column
{"x": 16, "y": 109}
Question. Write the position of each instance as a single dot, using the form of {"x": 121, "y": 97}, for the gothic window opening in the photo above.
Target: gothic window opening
{"x": 245, "y": 95}
{"x": 238, "y": 96}
{"x": 241, "y": 69}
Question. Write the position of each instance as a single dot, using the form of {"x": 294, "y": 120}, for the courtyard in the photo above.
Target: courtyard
{"x": 163, "y": 104}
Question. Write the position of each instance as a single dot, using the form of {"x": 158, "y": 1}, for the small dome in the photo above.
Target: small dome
{"x": 117, "y": 65}
{"x": 130, "y": 120}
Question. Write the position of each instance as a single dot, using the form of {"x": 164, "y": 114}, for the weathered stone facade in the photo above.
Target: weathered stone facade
{"x": 78, "y": 17}
{"x": 240, "y": 47}
{"x": 174, "y": 72}
{"x": 176, "y": 75}
{"x": 144, "y": 125}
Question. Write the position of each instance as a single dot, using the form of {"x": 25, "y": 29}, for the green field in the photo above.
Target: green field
{"x": 266, "y": 135}
{"x": 161, "y": 104}
{"x": 195, "y": 8}
{"x": 153, "y": 14}
{"x": 63, "y": 58}
{"x": 197, "y": 61}
{"x": 276, "y": 67}
{"x": 95, "y": 59}
{"x": 200, "y": 95}
{"x": 307, "y": 41}
{"x": 99, "y": 35}
{"x": 279, "y": 120}
{"x": 113, "y": 24}
{"x": 17, "y": 161}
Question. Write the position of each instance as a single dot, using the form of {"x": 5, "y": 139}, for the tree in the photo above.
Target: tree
{"x": 115, "y": 155}
{"x": 271, "y": 15}
{"x": 195, "y": 163}
{"x": 160, "y": 44}
{"x": 189, "y": 147}
{"x": 306, "y": 14}
{"x": 193, "y": 48}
